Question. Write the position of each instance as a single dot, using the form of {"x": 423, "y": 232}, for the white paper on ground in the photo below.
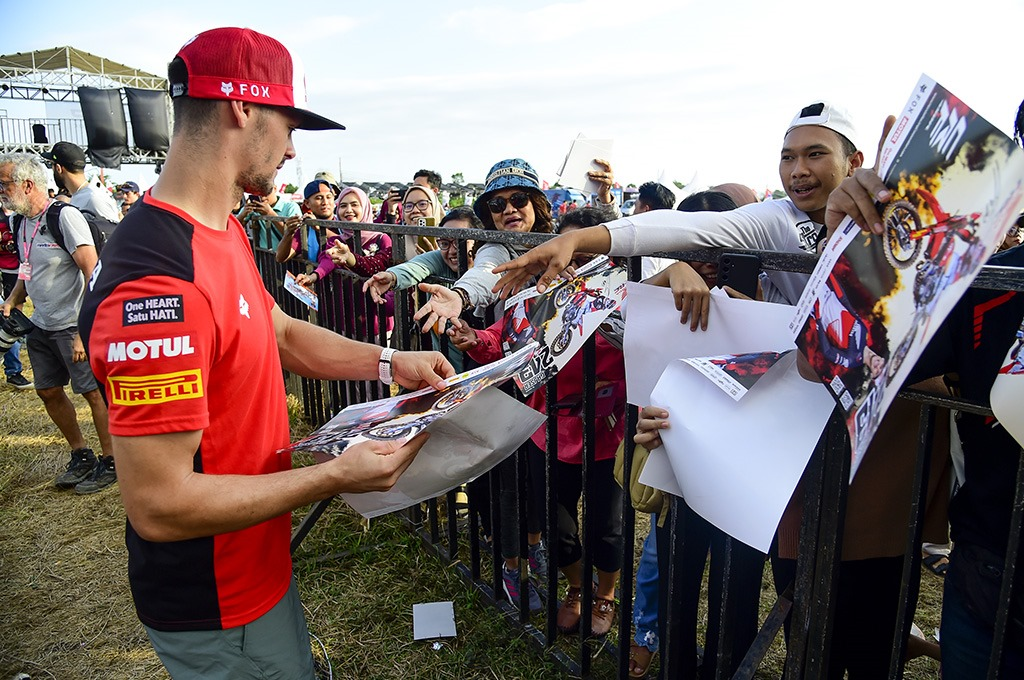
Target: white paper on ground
{"x": 463, "y": 445}
{"x": 654, "y": 337}
{"x": 738, "y": 462}
{"x": 433, "y": 620}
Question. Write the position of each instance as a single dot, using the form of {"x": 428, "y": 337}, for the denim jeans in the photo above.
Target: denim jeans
{"x": 967, "y": 644}
{"x": 645, "y": 604}
{"x": 12, "y": 360}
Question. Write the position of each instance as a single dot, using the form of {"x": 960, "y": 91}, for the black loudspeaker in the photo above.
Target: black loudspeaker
{"x": 150, "y": 126}
{"x": 105, "y": 126}
{"x": 39, "y": 134}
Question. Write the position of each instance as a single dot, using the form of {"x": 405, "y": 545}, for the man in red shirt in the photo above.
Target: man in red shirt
{"x": 190, "y": 348}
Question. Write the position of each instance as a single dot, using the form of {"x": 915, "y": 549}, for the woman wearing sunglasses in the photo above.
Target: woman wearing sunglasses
{"x": 512, "y": 201}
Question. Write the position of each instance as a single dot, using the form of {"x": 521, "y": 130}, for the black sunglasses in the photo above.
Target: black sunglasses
{"x": 518, "y": 200}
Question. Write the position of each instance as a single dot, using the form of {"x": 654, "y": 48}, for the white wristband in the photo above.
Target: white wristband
{"x": 384, "y": 366}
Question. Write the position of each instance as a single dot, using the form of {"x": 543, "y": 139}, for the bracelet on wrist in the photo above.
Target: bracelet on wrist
{"x": 384, "y": 367}
{"x": 464, "y": 296}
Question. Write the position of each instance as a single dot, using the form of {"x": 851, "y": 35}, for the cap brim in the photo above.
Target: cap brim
{"x": 311, "y": 121}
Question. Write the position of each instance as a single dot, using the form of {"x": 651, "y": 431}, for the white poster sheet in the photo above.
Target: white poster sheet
{"x": 462, "y": 446}
{"x": 654, "y": 337}
{"x": 735, "y": 458}
{"x": 580, "y": 161}
{"x": 737, "y": 462}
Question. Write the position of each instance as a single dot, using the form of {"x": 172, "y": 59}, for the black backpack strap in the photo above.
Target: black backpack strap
{"x": 53, "y": 224}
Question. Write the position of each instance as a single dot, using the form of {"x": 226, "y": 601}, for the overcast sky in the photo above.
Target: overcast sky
{"x": 684, "y": 89}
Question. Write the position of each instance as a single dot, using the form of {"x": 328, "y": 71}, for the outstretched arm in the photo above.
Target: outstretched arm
{"x": 550, "y": 259}
{"x": 316, "y": 352}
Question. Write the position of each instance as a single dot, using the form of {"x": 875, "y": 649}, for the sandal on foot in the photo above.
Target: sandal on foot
{"x": 639, "y": 660}
{"x": 937, "y": 564}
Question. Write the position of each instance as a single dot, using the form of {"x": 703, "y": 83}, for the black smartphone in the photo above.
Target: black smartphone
{"x": 253, "y": 198}
{"x": 740, "y": 272}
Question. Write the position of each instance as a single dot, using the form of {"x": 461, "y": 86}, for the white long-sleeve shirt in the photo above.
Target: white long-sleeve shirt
{"x": 773, "y": 225}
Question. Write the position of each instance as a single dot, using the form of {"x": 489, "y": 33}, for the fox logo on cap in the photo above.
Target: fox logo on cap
{"x": 227, "y": 89}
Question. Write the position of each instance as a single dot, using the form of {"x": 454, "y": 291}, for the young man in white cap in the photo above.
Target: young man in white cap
{"x": 190, "y": 348}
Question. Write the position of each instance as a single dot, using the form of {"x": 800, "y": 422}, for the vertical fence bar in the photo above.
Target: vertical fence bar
{"x": 551, "y": 512}
{"x": 586, "y": 527}
{"x": 800, "y": 623}
{"x": 912, "y": 558}
{"x": 836, "y": 482}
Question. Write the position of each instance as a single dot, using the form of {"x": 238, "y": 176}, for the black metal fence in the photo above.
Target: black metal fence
{"x": 454, "y": 531}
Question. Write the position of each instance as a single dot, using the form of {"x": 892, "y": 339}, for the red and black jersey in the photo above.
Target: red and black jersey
{"x": 179, "y": 331}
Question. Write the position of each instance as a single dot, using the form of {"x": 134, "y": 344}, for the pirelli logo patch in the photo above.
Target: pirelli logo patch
{"x": 154, "y": 309}
{"x": 156, "y": 389}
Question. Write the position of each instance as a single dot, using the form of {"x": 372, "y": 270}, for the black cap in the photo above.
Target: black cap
{"x": 67, "y": 154}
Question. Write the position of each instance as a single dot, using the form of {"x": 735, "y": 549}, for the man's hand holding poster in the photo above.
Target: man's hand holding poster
{"x": 472, "y": 426}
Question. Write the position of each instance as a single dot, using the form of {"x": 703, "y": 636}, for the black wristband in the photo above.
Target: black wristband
{"x": 466, "y": 304}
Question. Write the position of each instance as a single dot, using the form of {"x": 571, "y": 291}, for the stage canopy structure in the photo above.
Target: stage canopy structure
{"x": 125, "y": 111}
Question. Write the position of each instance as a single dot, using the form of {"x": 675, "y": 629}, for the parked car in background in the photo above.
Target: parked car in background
{"x": 628, "y": 207}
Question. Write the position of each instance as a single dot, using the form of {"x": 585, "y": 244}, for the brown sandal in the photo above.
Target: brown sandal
{"x": 639, "y": 660}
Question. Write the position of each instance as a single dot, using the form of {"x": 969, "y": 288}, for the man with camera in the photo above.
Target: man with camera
{"x": 54, "y": 276}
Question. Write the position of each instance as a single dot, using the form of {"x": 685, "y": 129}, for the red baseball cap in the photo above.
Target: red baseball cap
{"x": 243, "y": 65}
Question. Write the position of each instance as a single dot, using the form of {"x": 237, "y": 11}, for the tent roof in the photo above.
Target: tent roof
{"x": 63, "y": 58}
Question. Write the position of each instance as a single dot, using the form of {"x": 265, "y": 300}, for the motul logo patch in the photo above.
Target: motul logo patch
{"x": 137, "y": 350}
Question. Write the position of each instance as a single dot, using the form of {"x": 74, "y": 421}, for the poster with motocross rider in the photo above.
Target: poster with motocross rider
{"x": 873, "y": 303}
{"x": 561, "y": 319}
{"x": 406, "y": 415}
{"x": 473, "y": 427}
{"x": 1008, "y": 389}
{"x": 736, "y": 374}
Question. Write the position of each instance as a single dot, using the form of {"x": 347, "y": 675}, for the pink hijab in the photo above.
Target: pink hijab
{"x": 366, "y": 216}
